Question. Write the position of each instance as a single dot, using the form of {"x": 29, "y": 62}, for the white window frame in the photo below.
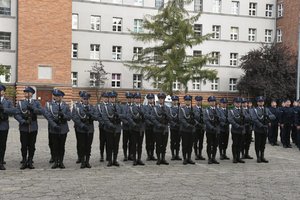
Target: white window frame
{"x": 196, "y": 84}
{"x": 215, "y": 58}
{"x": 197, "y": 53}
{"x": 157, "y": 83}
{"x": 138, "y": 26}
{"x": 137, "y": 81}
{"x": 278, "y": 35}
{"x": 5, "y": 7}
{"x": 176, "y": 85}
{"x": 137, "y": 52}
{"x": 75, "y": 19}
{"x": 198, "y": 29}
{"x": 117, "y": 52}
{"x": 234, "y": 33}
{"x": 214, "y": 85}
{"x": 280, "y": 10}
{"x": 268, "y": 35}
{"x": 269, "y": 10}
{"x": 233, "y": 59}
{"x": 233, "y": 84}
{"x": 116, "y": 80}
{"x": 74, "y": 50}
{"x": 93, "y": 79}
{"x": 117, "y": 24}
{"x": 138, "y": 2}
{"x": 95, "y": 51}
{"x": 216, "y": 32}
{"x": 217, "y": 6}
{"x": 159, "y": 3}
{"x": 95, "y": 22}
{"x": 252, "y": 35}
{"x": 198, "y": 5}
{"x": 74, "y": 79}
{"x": 5, "y": 40}
{"x": 252, "y": 8}
{"x": 235, "y": 7}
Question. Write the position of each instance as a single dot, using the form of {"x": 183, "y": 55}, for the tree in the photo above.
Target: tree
{"x": 4, "y": 71}
{"x": 171, "y": 32}
{"x": 269, "y": 71}
{"x": 99, "y": 74}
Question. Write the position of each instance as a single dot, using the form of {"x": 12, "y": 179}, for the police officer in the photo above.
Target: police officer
{"x": 77, "y": 133}
{"x": 262, "y": 118}
{"x": 281, "y": 108}
{"x": 27, "y": 111}
{"x": 273, "y": 129}
{"x": 224, "y": 129}
{"x": 102, "y": 135}
{"x": 286, "y": 120}
{"x": 160, "y": 119}
{"x": 247, "y": 137}
{"x": 212, "y": 124}
{"x": 150, "y": 137}
{"x": 174, "y": 128}
{"x": 136, "y": 121}
{"x": 112, "y": 116}
{"x": 127, "y": 144}
{"x": 294, "y": 127}
{"x": 58, "y": 116}
{"x": 6, "y": 109}
{"x": 200, "y": 128}
{"x": 83, "y": 115}
{"x": 187, "y": 129}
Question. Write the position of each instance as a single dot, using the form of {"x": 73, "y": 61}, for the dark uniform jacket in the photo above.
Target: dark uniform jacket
{"x": 160, "y": 118}
{"x": 8, "y": 109}
{"x": 135, "y": 117}
{"x": 112, "y": 117}
{"x": 212, "y": 120}
{"x": 187, "y": 120}
{"x": 261, "y": 117}
{"x": 199, "y": 117}
{"x": 83, "y": 117}
{"x": 174, "y": 116}
{"x": 147, "y": 110}
{"x": 224, "y": 123}
{"x": 239, "y": 118}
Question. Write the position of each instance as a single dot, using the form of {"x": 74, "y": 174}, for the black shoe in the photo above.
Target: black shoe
{"x": 116, "y": 163}
{"x": 82, "y": 166}
{"x": 148, "y": 158}
{"x": 101, "y": 159}
{"x": 21, "y": 162}
{"x": 240, "y": 160}
{"x": 51, "y": 160}
{"x": 164, "y": 162}
{"x": 234, "y": 160}
{"x": 139, "y": 162}
{"x": 62, "y": 166}
{"x": 55, "y": 165}
{"x": 2, "y": 167}
{"x": 289, "y": 146}
{"x": 158, "y": 162}
{"x": 191, "y": 162}
{"x": 201, "y": 157}
{"x": 109, "y": 164}
{"x": 222, "y": 157}
{"x": 264, "y": 160}
{"x": 210, "y": 161}
{"x": 153, "y": 158}
{"x": 125, "y": 159}
{"x": 24, "y": 166}
{"x": 88, "y": 165}
{"x": 173, "y": 157}
{"x": 135, "y": 163}
{"x": 276, "y": 144}
{"x": 29, "y": 165}
{"x": 214, "y": 161}
{"x": 285, "y": 146}
{"x": 258, "y": 160}
{"x": 185, "y": 162}
{"x": 4, "y": 163}
{"x": 226, "y": 158}
{"x": 78, "y": 161}
{"x": 178, "y": 158}
{"x": 247, "y": 156}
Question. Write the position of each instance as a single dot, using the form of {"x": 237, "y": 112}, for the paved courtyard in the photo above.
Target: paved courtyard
{"x": 280, "y": 179}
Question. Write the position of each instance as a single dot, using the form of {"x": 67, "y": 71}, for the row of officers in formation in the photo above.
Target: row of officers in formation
{"x": 186, "y": 125}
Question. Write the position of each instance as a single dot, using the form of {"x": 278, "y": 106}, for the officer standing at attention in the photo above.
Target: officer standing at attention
{"x": 27, "y": 111}
{"x": 286, "y": 121}
{"x": 262, "y": 118}
{"x": 200, "y": 128}
{"x": 137, "y": 127}
{"x": 150, "y": 137}
{"x": 212, "y": 123}
{"x": 187, "y": 129}
{"x": 127, "y": 144}
{"x": 76, "y": 133}
{"x": 83, "y": 115}
{"x": 174, "y": 128}
{"x": 160, "y": 118}
{"x": 247, "y": 137}
{"x": 58, "y": 115}
{"x": 273, "y": 129}
{"x": 6, "y": 109}
{"x": 224, "y": 129}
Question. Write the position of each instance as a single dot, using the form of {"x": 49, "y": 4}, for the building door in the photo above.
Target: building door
{"x": 44, "y": 96}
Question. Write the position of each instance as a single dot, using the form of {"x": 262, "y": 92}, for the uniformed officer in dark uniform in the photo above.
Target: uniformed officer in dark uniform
{"x": 247, "y": 137}
{"x": 200, "y": 128}
{"x": 50, "y": 140}
{"x": 286, "y": 120}
{"x": 112, "y": 116}
{"x": 137, "y": 127}
{"x": 224, "y": 129}
{"x": 281, "y": 108}
{"x": 273, "y": 129}
{"x": 238, "y": 118}
{"x": 187, "y": 129}
{"x": 27, "y": 111}
{"x": 294, "y": 127}
{"x": 99, "y": 112}
{"x": 83, "y": 115}
{"x": 297, "y": 124}
{"x": 150, "y": 137}
{"x": 261, "y": 117}
{"x": 6, "y": 109}
{"x": 160, "y": 118}
{"x": 58, "y": 115}
{"x": 127, "y": 144}
{"x": 212, "y": 124}
{"x": 174, "y": 128}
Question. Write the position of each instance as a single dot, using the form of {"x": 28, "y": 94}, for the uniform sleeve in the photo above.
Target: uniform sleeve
{"x": 75, "y": 117}
{"x": 49, "y": 116}
{"x": 231, "y": 119}
{"x": 183, "y": 120}
{"x": 37, "y": 109}
{"x": 18, "y": 114}
{"x": 67, "y": 113}
{"x": 255, "y": 119}
{"x": 270, "y": 115}
{"x": 207, "y": 122}
{"x": 10, "y": 110}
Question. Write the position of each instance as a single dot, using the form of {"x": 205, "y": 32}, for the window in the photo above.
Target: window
{"x": 197, "y": 84}
{"x": 198, "y": 5}
{"x": 137, "y": 52}
{"x": 252, "y": 35}
{"x": 280, "y": 10}
{"x": 95, "y": 23}
{"x": 216, "y": 32}
{"x": 116, "y": 52}
{"x": 157, "y": 83}
{"x": 235, "y": 7}
{"x": 5, "y": 7}
{"x": 269, "y": 10}
{"x": 215, "y": 84}
{"x": 215, "y": 58}
{"x": 234, "y": 33}
{"x": 74, "y": 21}
{"x": 279, "y": 35}
{"x": 74, "y": 79}
{"x": 198, "y": 29}
{"x": 94, "y": 79}
{"x": 176, "y": 85}
{"x": 232, "y": 84}
{"x": 74, "y": 50}
{"x": 233, "y": 59}
{"x": 197, "y": 53}
{"x": 138, "y": 2}
{"x": 7, "y": 77}
{"x": 5, "y": 40}
{"x": 268, "y": 35}
{"x": 159, "y": 3}
{"x": 137, "y": 81}
{"x": 44, "y": 72}
{"x": 117, "y": 24}
{"x": 95, "y": 51}
{"x": 252, "y": 9}
{"x": 138, "y": 26}
{"x": 217, "y": 6}
{"x": 116, "y": 80}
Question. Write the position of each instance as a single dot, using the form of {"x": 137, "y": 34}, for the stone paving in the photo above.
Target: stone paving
{"x": 280, "y": 179}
